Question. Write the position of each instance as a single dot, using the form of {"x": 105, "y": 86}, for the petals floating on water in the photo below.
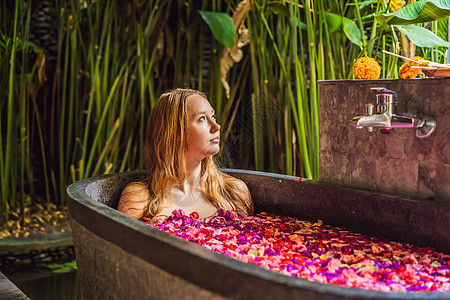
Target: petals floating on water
{"x": 315, "y": 251}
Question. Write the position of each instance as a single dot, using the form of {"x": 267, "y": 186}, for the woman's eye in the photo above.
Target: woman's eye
{"x": 201, "y": 118}
{"x": 214, "y": 117}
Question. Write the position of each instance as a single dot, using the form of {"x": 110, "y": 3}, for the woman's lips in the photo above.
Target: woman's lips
{"x": 215, "y": 140}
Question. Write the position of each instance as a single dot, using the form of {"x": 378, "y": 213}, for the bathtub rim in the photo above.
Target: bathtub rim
{"x": 80, "y": 200}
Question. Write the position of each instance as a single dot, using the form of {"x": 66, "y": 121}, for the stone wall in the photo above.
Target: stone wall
{"x": 395, "y": 163}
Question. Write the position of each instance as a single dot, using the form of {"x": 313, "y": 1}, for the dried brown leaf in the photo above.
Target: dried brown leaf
{"x": 41, "y": 68}
{"x": 234, "y": 55}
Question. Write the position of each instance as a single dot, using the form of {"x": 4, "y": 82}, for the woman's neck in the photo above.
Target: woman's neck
{"x": 192, "y": 178}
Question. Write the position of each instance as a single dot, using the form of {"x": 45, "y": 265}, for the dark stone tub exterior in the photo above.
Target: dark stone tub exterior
{"x": 122, "y": 258}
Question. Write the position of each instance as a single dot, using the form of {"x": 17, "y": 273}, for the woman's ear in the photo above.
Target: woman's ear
{"x": 188, "y": 138}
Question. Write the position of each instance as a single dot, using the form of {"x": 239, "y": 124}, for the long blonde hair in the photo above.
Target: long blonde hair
{"x": 164, "y": 157}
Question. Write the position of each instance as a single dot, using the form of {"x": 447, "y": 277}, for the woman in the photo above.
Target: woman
{"x": 182, "y": 136}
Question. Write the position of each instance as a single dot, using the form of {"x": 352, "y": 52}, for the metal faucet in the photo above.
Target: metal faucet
{"x": 385, "y": 118}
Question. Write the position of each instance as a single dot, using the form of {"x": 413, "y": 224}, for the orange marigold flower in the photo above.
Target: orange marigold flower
{"x": 407, "y": 72}
{"x": 366, "y": 68}
{"x": 395, "y": 5}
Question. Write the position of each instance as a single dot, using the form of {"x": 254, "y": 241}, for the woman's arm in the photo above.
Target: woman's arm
{"x": 134, "y": 200}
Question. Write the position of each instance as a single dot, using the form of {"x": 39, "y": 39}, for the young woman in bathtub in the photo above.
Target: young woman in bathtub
{"x": 182, "y": 137}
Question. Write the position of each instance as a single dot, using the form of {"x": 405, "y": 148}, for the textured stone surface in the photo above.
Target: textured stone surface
{"x": 9, "y": 291}
{"x": 108, "y": 272}
{"x": 42, "y": 242}
{"x": 395, "y": 163}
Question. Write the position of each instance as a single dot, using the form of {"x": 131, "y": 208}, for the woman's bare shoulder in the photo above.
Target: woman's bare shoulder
{"x": 134, "y": 200}
{"x": 136, "y": 187}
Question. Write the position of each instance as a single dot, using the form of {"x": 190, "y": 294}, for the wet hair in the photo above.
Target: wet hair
{"x": 164, "y": 156}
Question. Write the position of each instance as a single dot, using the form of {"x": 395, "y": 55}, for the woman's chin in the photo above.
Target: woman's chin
{"x": 212, "y": 152}
{"x": 217, "y": 149}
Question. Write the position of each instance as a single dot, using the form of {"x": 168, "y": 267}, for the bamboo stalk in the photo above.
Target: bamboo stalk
{"x": 101, "y": 125}
{"x": 23, "y": 109}
{"x": 8, "y": 161}
{"x": 42, "y": 147}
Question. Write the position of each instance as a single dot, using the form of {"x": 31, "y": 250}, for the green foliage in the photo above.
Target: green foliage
{"x": 417, "y": 12}
{"x": 63, "y": 268}
{"x": 352, "y": 32}
{"x": 221, "y": 26}
{"x": 422, "y": 37}
{"x": 21, "y": 45}
{"x": 20, "y": 81}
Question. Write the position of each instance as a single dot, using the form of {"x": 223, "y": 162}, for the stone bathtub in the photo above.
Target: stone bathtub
{"x": 122, "y": 258}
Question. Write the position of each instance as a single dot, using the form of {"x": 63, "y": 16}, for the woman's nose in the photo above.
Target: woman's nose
{"x": 214, "y": 126}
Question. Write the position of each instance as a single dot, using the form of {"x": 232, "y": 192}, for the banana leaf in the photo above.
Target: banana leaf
{"x": 421, "y": 36}
{"x": 221, "y": 25}
{"x": 417, "y": 12}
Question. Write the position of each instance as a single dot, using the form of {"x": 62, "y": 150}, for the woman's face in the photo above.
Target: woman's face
{"x": 203, "y": 130}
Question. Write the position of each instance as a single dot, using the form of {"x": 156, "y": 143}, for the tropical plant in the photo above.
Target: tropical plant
{"x": 422, "y": 11}
{"x": 21, "y": 67}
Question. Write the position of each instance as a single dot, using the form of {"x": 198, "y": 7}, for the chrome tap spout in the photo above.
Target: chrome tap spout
{"x": 385, "y": 119}
{"x": 381, "y": 120}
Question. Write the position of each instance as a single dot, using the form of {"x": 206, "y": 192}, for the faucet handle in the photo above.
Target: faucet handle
{"x": 381, "y": 90}
{"x": 386, "y": 99}
{"x": 385, "y": 91}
